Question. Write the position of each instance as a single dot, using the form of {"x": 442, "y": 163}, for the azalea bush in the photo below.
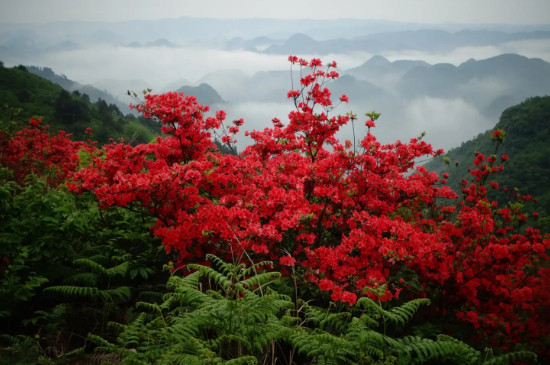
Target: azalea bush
{"x": 351, "y": 218}
{"x": 33, "y": 150}
{"x": 365, "y": 221}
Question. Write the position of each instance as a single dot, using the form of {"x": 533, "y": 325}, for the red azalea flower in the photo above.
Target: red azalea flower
{"x": 287, "y": 260}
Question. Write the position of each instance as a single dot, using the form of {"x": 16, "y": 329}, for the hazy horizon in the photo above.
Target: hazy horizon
{"x": 420, "y": 11}
{"x": 104, "y": 44}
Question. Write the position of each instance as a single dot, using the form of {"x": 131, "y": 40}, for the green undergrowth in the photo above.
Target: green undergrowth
{"x": 229, "y": 314}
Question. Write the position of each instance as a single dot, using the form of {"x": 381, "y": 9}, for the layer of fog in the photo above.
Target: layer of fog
{"x": 117, "y": 69}
{"x": 533, "y": 48}
{"x": 159, "y": 66}
{"x": 446, "y": 123}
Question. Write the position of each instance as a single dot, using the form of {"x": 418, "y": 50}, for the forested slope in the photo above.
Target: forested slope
{"x": 26, "y": 95}
{"x": 527, "y": 136}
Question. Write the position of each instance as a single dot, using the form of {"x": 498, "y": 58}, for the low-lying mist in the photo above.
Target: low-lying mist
{"x": 447, "y": 122}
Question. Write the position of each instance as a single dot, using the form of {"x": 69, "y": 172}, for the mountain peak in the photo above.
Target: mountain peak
{"x": 205, "y": 94}
{"x": 378, "y": 61}
{"x": 300, "y": 37}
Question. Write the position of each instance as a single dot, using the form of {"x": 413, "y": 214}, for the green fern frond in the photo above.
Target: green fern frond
{"x": 406, "y": 311}
{"x": 122, "y": 293}
{"x": 121, "y": 258}
{"x": 378, "y": 339}
{"x": 214, "y": 294}
{"x": 322, "y": 360}
{"x": 521, "y": 356}
{"x": 121, "y": 270}
{"x": 252, "y": 270}
{"x": 134, "y": 333}
{"x": 397, "y": 315}
{"x": 92, "y": 266}
{"x": 327, "y": 321}
{"x": 468, "y": 354}
{"x": 119, "y": 327}
{"x": 229, "y": 338}
{"x": 260, "y": 279}
{"x": 101, "y": 341}
{"x": 102, "y": 259}
{"x": 85, "y": 278}
{"x": 419, "y": 350}
{"x": 322, "y": 345}
{"x": 181, "y": 359}
{"x": 189, "y": 326}
{"x": 74, "y": 291}
{"x": 212, "y": 274}
{"x": 190, "y": 281}
{"x": 153, "y": 308}
{"x": 223, "y": 267}
{"x": 368, "y": 321}
{"x": 243, "y": 360}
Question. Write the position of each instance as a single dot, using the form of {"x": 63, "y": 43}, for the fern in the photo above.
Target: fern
{"x": 235, "y": 279}
{"x": 85, "y": 278}
{"x": 121, "y": 270}
{"x": 244, "y": 360}
{"x": 211, "y": 273}
{"x": 238, "y": 324}
{"x": 518, "y": 356}
{"x": 259, "y": 279}
{"x": 397, "y": 315}
{"x": 337, "y": 322}
{"x": 92, "y": 265}
{"x": 122, "y": 293}
{"x": 74, "y": 291}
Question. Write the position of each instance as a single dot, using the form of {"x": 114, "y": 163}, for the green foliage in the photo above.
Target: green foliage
{"x": 236, "y": 280}
{"x": 236, "y": 322}
{"x": 527, "y": 128}
{"x": 39, "y": 231}
{"x": 18, "y": 350}
{"x": 192, "y": 326}
{"x": 97, "y": 274}
{"x": 397, "y": 315}
{"x": 98, "y": 263}
{"x": 50, "y": 237}
{"x": 71, "y": 112}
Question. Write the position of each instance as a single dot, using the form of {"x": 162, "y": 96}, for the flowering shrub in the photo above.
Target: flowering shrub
{"x": 34, "y": 150}
{"x": 354, "y": 222}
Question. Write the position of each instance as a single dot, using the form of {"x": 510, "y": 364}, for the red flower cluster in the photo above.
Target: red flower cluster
{"x": 34, "y": 150}
{"x": 350, "y": 220}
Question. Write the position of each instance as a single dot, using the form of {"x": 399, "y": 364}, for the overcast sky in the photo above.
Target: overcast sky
{"x": 418, "y": 11}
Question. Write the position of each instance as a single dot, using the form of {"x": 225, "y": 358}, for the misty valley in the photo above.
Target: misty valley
{"x": 274, "y": 191}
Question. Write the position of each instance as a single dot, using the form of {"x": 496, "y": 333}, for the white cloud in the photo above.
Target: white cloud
{"x": 421, "y": 11}
{"x": 446, "y": 122}
{"x": 529, "y": 48}
{"x": 158, "y": 66}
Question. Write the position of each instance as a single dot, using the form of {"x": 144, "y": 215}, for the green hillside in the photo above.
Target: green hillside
{"x": 70, "y": 85}
{"x": 527, "y": 128}
{"x": 24, "y": 95}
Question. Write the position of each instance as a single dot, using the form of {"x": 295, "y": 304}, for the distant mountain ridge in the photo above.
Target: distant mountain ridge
{"x": 70, "y": 85}
{"x": 72, "y": 112}
{"x": 268, "y": 36}
{"x": 188, "y": 29}
{"x": 491, "y": 84}
{"x": 425, "y": 40}
{"x": 450, "y": 103}
{"x": 205, "y": 94}
{"x": 516, "y": 77}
